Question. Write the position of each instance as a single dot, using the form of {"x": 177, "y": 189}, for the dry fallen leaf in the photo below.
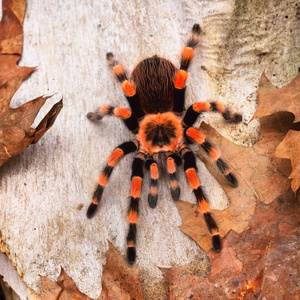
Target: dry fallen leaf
{"x": 263, "y": 261}
{"x": 272, "y": 99}
{"x": 287, "y": 98}
{"x": 16, "y": 133}
{"x": 119, "y": 281}
{"x": 290, "y": 148}
{"x": 260, "y": 177}
{"x": 64, "y": 289}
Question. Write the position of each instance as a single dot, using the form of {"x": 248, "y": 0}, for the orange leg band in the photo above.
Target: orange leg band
{"x": 115, "y": 157}
{"x": 136, "y": 187}
{"x": 180, "y": 79}
{"x": 196, "y": 135}
{"x": 128, "y": 88}
{"x": 154, "y": 171}
{"x": 132, "y": 217}
{"x": 192, "y": 178}
{"x": 121, "y": 112}
{"x": 171, "y": 165}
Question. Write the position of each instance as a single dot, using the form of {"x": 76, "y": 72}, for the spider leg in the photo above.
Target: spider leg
{"x": 154, "y": 175}
{"x": 198, "y": 108}
{"x": 128, "y": 88}
{"x": 125, "y": 114}
{"x": 200, "y": 139}
{"x": 113, "y": 159}
{"x": 172, "y": 161}
{"x": 182, "y": 75}
{"x": 190, "y": 169}
{"x": 136, "y": 187}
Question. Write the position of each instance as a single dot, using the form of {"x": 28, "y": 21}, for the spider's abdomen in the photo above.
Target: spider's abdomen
{"x": 160, "y": 133}
{"x": 153, "y": 78}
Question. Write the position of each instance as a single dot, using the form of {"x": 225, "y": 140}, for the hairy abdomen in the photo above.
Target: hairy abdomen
{"x": 153, "y": 78}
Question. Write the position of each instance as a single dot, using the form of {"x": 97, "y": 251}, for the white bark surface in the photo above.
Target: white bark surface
{"x": 46, "y": 190}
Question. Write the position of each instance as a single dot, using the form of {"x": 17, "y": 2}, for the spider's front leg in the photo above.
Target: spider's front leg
{"x": 127, "y": 87}
{"x": 190, "y": 169}
{"x": 113, "y": 159}
{"x": 182, "y": 75}
{"x": 136, "y": 188}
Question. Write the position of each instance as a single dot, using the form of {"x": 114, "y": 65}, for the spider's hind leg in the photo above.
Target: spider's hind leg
{"x": 112, "y": 161}
{"x": 136, "y": 188}
{"x": 190, "y": 169}
{"x": 199, "y": 138}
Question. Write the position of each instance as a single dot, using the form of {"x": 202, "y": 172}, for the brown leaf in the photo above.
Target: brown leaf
{"x": 16, "y": 133}
{"x": 11, "y": 26}
{"x": 119, "y": 281}
{"x": 263, "y": 261}
{"x": 290, "y": 148}
{"x": 272, "y": 99}
{"x": 260, "y": 177}
{"x": 64, "y": 289}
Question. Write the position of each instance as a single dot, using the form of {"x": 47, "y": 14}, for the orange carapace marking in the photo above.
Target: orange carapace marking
{"x": 201, "y": 106}
{"x": 124, "y": 113}
{"x": 180, "y": 79}
{"x": 214, "y": 153}
{"x": 136, "y": 187}
{"x": 192, "y": 178}
{"x": 204, "y": 206}
{"x": 171, "y": 165}
{"x": 128, "y": 88}
{"x": 114, "y": 157}
{"x": 154, "y": 171}
{"x": 102, "y": 179}
{"x": 133, "y": 217}
{"x": 158, "y": 120}
{"x": 196, "y": 135}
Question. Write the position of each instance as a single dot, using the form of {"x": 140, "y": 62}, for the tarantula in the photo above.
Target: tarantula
{"x": 156, "y": 95}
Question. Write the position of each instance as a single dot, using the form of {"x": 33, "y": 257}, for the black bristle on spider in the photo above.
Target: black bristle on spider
{"x": 156, "y": 96}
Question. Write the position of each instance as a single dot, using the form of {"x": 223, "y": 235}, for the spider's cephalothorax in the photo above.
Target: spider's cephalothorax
{"x": 156, "y": 95}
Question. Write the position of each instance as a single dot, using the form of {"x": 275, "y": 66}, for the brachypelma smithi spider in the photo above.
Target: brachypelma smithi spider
{"x": 156, "y": 95}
